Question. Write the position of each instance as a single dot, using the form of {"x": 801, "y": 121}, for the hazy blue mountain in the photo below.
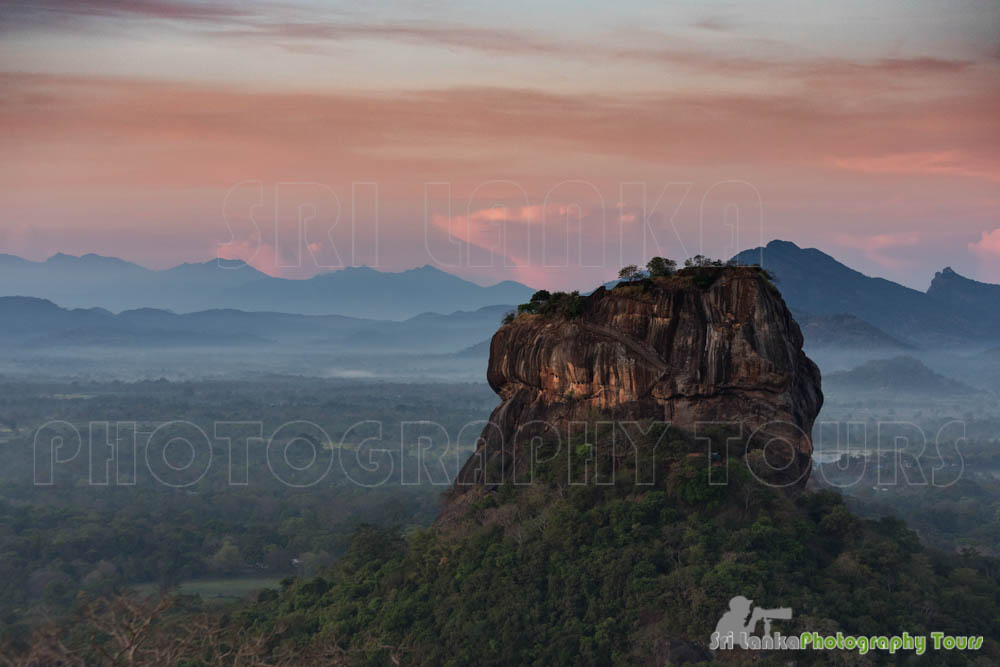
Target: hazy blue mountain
{"x": 974, "y": 299}
{"x": 231, "y": 271}
{"x": 71, "y": 278}
{"x": 463, "y": 318}
{"x": 13, "y": 261}
{"x": 431, "y": 331}
{"x": 90, "y": 262}
{"x": 845, "y": 331}
{"x": 23, "y": 316}
{"x": 814, "y": 282}
{"x": 365, "y": 292}
{"x": 108, "y": 282}
{"x": 898, "y": 375}
{"x": 955, "y": 310}
{"x": 480, "y": 350}
{"x": 34, "y": 322}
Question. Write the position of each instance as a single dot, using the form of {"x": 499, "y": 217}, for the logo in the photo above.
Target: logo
{"x": 738, "y": 627}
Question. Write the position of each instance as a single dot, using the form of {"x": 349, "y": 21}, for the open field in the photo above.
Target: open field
{"x": 218, "y": 590}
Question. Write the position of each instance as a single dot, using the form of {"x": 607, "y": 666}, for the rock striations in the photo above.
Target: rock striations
{"x": 705, "y": 345}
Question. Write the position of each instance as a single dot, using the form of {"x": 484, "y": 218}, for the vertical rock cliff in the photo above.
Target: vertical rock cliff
{"x": 705, "y": 345}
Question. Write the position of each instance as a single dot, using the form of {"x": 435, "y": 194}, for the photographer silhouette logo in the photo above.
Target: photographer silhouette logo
{"x": 738, "y": 627}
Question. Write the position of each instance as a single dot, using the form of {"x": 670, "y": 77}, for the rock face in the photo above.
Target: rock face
{"x": 714, "y": 345}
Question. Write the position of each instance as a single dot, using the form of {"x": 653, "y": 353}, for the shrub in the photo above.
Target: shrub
{"x": 541, "y": 295}
{"x": 767, "y": 275}
{"x": 559, "y": 304}
{"x": 530, "y": 307}
{"x": 661, "y": 267}
{"x": 700, "y": 261}
{"x": 629, "y": 273}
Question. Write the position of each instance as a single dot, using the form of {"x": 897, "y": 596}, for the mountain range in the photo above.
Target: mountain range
{"x": 35, "y": 323}
{"x": 954, "y": 311}
{"x": 837, "y": 306}
{"x": 114, "y": 284}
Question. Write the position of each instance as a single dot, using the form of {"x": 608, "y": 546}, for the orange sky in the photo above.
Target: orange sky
{"x": 304, "y": 137}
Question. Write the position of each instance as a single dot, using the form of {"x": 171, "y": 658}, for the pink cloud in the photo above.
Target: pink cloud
{"x": 949, "y": 162}
{"x": 512, "y": 231}
{"x": 874, "y": 246}
{"x": 259, "y": 255}
{"x": 534, "y": 244}
{"x": 987, "y": 251}
{"x": 531, "y": 214}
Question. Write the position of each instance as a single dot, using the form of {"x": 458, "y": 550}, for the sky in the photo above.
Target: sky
{"x": 544, "y": 142}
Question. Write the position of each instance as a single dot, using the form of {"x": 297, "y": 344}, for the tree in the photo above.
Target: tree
{"x": 629, "y": 273}
{"x": 696, "y": 261}
{"x": 700, "y": 261}
{"x": 661, "y": 267}
{"x": 227, "y": 558}
{"x": 541, "y": 295}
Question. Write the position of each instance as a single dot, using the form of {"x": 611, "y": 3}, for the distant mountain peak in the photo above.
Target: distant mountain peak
{"x": 814, "y": 282}
{"x": 27, "y": 301}
{"x": 9, "y": 259}
{"x": 218, "y": 262}
{"x": 89, "y": 259}
{"x": 429, "y": 270}
{"x": 843, "y": 330}
{"x": 903, "y": 374}
{"x": 354, "y": 291}
{"x": 230, "y": 263}
{"x": 948, "y": 276}
{"x": 978, "y": 301}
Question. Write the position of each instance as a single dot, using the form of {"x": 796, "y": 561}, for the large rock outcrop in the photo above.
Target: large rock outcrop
{"x": 714, "y": 344}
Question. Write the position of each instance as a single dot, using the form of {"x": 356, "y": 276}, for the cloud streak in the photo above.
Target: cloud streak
{"x": 943, "y": 163}
{"x": 212, "y": 135}
{"x": 306, "y": 28}
{"x": 67, "y": 13}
